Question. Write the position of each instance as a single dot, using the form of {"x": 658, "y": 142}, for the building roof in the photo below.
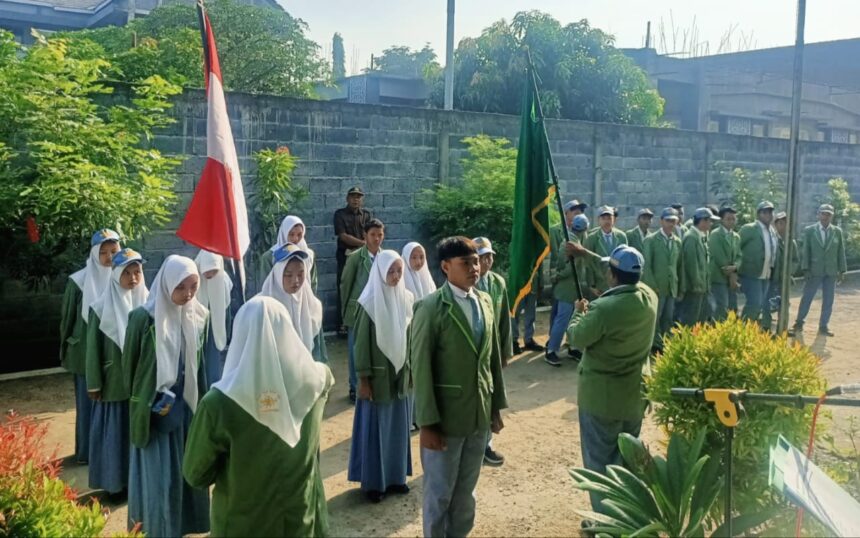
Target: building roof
{"x": 66, "y": 5}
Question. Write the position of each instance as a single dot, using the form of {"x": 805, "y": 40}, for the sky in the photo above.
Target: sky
{"x": 370, "y": 26}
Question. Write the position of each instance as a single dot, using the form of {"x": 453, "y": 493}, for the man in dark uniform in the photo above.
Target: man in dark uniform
{"x": 349, "y": 224}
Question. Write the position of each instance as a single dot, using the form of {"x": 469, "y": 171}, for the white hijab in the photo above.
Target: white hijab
{"x": 214, "y": 294}
{"x": 268, "y": 372}
{"x": 288, "y": 224}
{"x": 305, "y": 309}
{"x": 420, "y": 282}
{"x": 390, "y": 308}
{"x": 174, "y": 326}
{"x": 92, "y": 279}
{"x": 115, "y": 304}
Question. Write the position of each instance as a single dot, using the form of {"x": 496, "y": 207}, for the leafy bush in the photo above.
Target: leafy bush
{"x": 71, "y": 160}
{"x": 482, "y": 204}
{"x": 744, "y": 189}
{"x": 846, "y": 215}
{"x": 736, "y": 354}
{"x": 273, "y": 196}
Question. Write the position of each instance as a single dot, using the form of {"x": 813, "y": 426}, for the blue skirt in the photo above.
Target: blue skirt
{"x": 381, "y": 453}
{"x": 83, "y": 418}
{"x": 213, "y": 359}
{"x": 109, "y": 446}
{"x": 158, "y": 495}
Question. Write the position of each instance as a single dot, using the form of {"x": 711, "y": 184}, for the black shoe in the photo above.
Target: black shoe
{"x": 491, "y": 457}
{"x": 655, "y": 350}
{"x": 531, "y": 345}
{"x": 342, "y": 332}
{"x": 517, "y": 348}
{"x": 824, "y": 331}
{"x": 401, "y": 489}
{"x": 552, "y": 359}
{"x": 375, "y": 496}
{"x": 574, "y": 354}
{"x": 352, "y": 396}
{"x": 413, "y": 427}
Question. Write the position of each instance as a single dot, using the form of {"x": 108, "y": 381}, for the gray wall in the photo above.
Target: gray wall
{"x": 394, "y": 153}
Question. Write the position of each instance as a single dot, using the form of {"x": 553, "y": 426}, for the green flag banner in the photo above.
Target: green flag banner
{"x": 533, "y": 193}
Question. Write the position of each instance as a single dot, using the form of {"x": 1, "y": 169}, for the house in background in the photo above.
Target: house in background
{"x": 378, "y": 89}
{"x": 749, "y": 93}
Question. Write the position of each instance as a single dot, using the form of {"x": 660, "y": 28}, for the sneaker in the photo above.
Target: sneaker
{"x": 531, "y": 345}
{"x": 414, "y": 427}
{"x": 574, "y": 354}
{"x": 352, "y": 396}
{"x": 491, "y": 457}
{"x": 342, "y": 332}
{"x": 375, "y": 496}
{"x": 552, "y": 359}
{"x": 824, "y": 331}
{"x": 517, "y": 348}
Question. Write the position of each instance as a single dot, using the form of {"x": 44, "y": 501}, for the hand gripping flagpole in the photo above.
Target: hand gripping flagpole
{"x": 553, "y": 174}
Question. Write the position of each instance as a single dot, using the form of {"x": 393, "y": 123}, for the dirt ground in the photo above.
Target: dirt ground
{"x": 531, "y": 495}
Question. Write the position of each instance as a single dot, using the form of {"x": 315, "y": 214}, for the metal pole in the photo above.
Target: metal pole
{"x": 730, "y": 435}
{"x": 449, "y": 59}
{"x": 791, "y": 199}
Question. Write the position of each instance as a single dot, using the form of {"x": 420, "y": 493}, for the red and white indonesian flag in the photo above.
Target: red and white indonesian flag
{"x": 217, "y": 219}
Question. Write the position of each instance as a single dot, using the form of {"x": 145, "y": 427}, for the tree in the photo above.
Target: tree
{"x": 581, "y": 75}
{"x": 261, "y": 49}
{"x": 73, "y": 159}
{"x": 403, "y": 61}
{"x": 338, "y": 57}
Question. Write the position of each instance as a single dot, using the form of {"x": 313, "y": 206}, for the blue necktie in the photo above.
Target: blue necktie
{"x": 477, "y": 325}
{"x": 609, "y": 240}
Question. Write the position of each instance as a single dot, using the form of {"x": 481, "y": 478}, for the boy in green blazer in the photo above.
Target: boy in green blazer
{"x": 352, "y": 282}
{"x": 824, "y": 265}
{"x": 758, "y": 260}
{"x": 724, "y": 245}
{"x": 564, "y": 287}
{"x": 636, "y": 235}
{"x": 662, "y": 271}
{"x": 695, "y": 280}
{"x": 602, "y": 241}
{"x": 459, "y": 388}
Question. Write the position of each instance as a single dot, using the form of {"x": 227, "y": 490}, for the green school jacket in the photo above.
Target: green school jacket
{"x": 662, "y": 264}
{"x": 724, "y": 247}
{"x": 458, "y": 384}
{"x": 138, "y": 368}
{"x": 352, "y": 282}
{"x": 635, "y": 238}
{"x": 371, "y": 362}
{"x": 752, "y": 250}
{"x": 248, "y": 462}
{"x": 594, "y": 242}
{"x": 104, "y": 363}
{"x": 795, "y": 260}
{"x": 73, "y": 331}
{"x": 561, "y": 273}
{"x": 498, "y": 291}
{"x": 695, "y": 262}
{"x": 823, "y": 259}
{"x": 616, "y": 335}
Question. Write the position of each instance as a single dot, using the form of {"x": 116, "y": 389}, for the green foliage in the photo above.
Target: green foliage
{"x": 261, "y": 49}
{"x": 736, "y": 354}
{"x": 406, "y": 62}
{"x": 743, "y": 189}
{"x": 482, "y": 204}
{"x": 74, "y": 159}
{"x": 846, "y": 215}
{"x": 581, "y": 75}
{"x": 338, "y": 57}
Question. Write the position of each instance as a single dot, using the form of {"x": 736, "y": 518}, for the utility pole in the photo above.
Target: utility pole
{"x": 449, "y": 59}
{"x": 791, "y": 199}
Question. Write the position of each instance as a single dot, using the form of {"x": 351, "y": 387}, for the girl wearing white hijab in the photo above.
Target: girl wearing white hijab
{"x": 380, "y": 456}
{"x": 416, "y": 274}
{"x": 288, "y": 284}
{"x": 106, "y": 328}
{"x": 160, "y": 359}
{"x": 82, "y": 289}
{"x": 256, "y": 434}
{"x": 214, "y": 294}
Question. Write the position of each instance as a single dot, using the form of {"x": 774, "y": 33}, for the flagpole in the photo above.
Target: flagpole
{"x": 553, "y": 174}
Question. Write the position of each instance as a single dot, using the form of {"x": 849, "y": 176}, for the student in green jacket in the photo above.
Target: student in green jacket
{"x": 459, "y": 388}
{"x": 695, "y": 265}
{"x": 758, "y": 260}
{"x": 564, "y": 288}
{"x": 724, "y": 245}
{"x": 602, "y": 241}
{"x": 636, "y": 235}
{"x": 108, "y": 459}
{"x": 615, "y": 331}
{"x": 662, "y": 272}
{"x": 824, "y": 265}
{"x": 256, "y": 434}
{"x": 161, "y": 365}
{"x": 82, "y": 290}
{"x": 681, "y": 228}
{"x": 352, "y": 281}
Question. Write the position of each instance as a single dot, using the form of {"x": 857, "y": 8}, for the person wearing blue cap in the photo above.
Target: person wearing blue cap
{"x": 662, "y": 271}
{"x": 556, "y": 236}
{"x": 615, "y": 332}
{"x": 695, "y": 279}
{"x": 636, "y": 235}
{"x": 823, "y": 263}
{"x": 564, "y": 288}
{"x": 724, "y": 245}
{"x": 82, "y": 290}
{"x": 758, "y": 260}
{"x": 106, "y": 328}
{"x": 602, "y": 241}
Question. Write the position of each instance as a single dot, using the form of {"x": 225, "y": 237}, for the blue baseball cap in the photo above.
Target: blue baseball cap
{"x": 575, "y": 204}
{"x": 126, "y": 256}
{"x": 289, "y": 251}
{"x": 103, "y": 235}
{"x": 669, "y": 213}
{"x": 626, "y": 259}
{"x": 580, "y": 223}
{"x": 484, "y": 246}
{"x": 704, "y": 213}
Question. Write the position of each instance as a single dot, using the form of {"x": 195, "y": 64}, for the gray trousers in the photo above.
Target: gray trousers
{"x": 599, "y": 440}
{"x": 450, "y": 477}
